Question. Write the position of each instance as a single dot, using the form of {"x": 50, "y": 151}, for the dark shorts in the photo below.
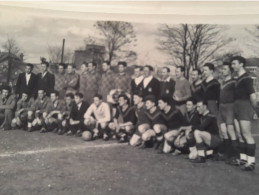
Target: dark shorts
{"x": 243, "y": 110}
{"x": 213, "y": 107}
{"x": 226, "y": 114}
{"x": 215, "y": 141}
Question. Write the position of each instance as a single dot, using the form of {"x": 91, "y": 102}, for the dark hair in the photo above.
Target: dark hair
{"x": 150, "y": 98}
{"x": 73, "y": 66}
{"x": 78, "y": 94}
{"x": 125, "y": 98}
{"x": 94, "y": 63}
{"x": 25, "y": 92}
{"x": 191, "y": 99}
{"x": 182, "y": 69}
{"x": 63, "y": 65}
{"x": 229, "y": 65}
{"x": 6, "y": 87}
{"x": 138, "y": 93}
{"x": 98, "y": 96}
{"x": 167, "y": 69}
{"x": 55, "y": 92}
{"x": 123, "y": 63}
{"x": 210, "y": 66}
{"x": 41, "y": 89}
{"x": 107, "y": 62}
{"x": 71, "y": 95}
{"x": 30, "y": 65}
{"x": 46, "y": 63}
{"x": 140, "y": 67}
{"x": 204, "y": 102}
{"x": 165, "y": 99}
{"x": 240, "y": 59}
{"x": 198, "y": 70}
{"x": 149, "y": 67}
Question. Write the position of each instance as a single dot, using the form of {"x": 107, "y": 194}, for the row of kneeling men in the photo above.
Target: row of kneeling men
{"x": 142, "y": 123}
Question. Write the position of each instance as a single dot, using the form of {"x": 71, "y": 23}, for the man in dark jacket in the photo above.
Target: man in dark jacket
{"x": 27, "y": 82}
{"x": 46, "y": 80}
{"x": 150, "y": 85}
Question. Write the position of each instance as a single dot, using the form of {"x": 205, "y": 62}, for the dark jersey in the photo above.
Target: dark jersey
{"x": 244, "y": 87}
{"x": 156, "y": 117}
{"x": 208, "y": 123}
{"x": 227, "y": 92}
{"x": 141, "y": 115}
{"x": 167, "y": 88}
{"x": 192, "y": 118}
{"x": 197, "y": 91}
{"x": 128, "y": 115}
{"x": 211, "y": 90}
{"x": 174, "y": 118}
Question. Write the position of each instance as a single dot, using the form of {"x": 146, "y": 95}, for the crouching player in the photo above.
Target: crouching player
{"x": 207, "y": 133}
{"x": 76, "y": 118}
{"x": 35, "y": 114}
{"x": 97, "y": 117}
{"x": 156, "y": 123}
{"x": 21, "y": 114}
{"x": 174, "y": 120}
{"x": 63, "y": 118}
{"x": 123, "y": 124}
{"x": 53, "y": 113}
{"x": 142, "y": 124}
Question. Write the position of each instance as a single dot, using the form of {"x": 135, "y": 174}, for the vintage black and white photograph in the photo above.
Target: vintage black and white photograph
{"x": 129, "y": 98}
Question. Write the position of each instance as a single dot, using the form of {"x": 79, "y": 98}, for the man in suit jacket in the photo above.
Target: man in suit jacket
{"x": 46, "y": 80}
{"x": 76, "y": 121}
{"x": 27, "y": 82}
{"x": 150, "y": 85}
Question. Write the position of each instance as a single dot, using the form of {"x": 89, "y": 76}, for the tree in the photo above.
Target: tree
{"x": 12, "y": 48}
{"x": 191, "y": 45}
{"x": 118, "y": 38}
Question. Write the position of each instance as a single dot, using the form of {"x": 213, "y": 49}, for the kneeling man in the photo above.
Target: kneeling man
{"x": 207, "y": 133}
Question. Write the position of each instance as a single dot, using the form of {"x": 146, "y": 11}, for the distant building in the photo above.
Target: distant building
{"x": 17, "y": 66}
{"x": 91, "y": 53}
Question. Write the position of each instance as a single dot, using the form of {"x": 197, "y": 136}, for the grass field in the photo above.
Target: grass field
{"x": 34, "y": 163}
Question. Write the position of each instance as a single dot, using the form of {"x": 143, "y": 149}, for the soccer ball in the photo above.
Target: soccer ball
{"x": 87, "y": 135}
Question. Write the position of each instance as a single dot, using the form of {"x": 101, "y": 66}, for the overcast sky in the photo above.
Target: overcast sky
{"x": 35, "y": 31}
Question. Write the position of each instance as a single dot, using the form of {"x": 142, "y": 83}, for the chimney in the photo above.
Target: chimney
{"x": 21, "y": 56}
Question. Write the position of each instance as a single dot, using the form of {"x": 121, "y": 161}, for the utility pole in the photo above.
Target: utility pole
{"x": 63, "y": 48}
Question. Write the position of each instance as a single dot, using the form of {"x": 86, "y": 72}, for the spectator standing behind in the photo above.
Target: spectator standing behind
{"x": 211, "y": 88}
{"x": 92, "y": 79}
{"x": 60, "y": 83}
{"x": 46, "y": 80}
{"x": 137, "y": 80}
{"x": 150, "y": 85}
{"x": 7, "y": 108}
{"x": 182, "y": 89}
{"x": 72, "y": 84}
{"x": 122, "y": 80}
{"x": 27, "y": 82}
{"x": 167, "y": 85}
{"x": 107, "y": 80}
